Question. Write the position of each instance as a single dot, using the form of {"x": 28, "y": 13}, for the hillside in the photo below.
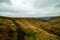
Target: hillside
{"x": 29, "y": 29}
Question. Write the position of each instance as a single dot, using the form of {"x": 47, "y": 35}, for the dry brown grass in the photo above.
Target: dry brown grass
{"x": 35, "y": 29}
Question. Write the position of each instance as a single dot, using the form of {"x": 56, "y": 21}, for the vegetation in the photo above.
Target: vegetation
{"x": 29, "y": 29}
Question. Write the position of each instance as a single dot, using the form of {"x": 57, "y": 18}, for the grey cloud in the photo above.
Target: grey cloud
{"x": 58, "y": 5}
{"x": 12, "y": 11}
{"x": 7, "y": 10}
{"x": 45, "y": 3}
{"x": 46, "y": 15}
{"x": 5, "y": 1}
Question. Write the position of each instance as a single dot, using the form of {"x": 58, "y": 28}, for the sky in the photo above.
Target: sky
{"x": 29, "y": 8}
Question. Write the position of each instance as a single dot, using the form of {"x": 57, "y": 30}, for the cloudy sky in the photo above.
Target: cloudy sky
{"x": 29, "y": 8}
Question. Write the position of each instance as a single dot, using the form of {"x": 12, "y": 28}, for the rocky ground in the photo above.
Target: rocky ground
{"x": 29, "y": 29}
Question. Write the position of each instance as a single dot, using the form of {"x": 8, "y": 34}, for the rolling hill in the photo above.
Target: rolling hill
{"x": 29, "y": 28}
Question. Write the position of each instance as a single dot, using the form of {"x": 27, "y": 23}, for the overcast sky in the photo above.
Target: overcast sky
{"x": 29, "y": 8}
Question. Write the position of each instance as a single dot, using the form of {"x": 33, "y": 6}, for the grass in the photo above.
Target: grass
{"x": 33, "y": 28}
{"x": 34, "y": 32}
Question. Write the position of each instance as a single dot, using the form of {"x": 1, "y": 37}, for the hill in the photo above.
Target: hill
{"x": 29, "y": 28}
